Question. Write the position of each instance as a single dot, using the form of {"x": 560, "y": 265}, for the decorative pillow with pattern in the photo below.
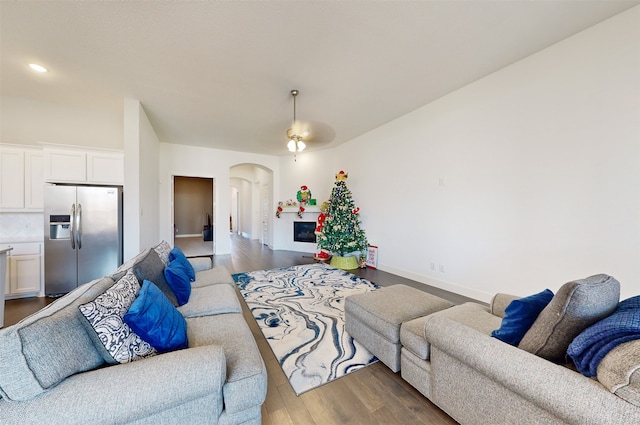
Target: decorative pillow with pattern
{"x": 163, "y": 249}
{"x": 113, "y": 338}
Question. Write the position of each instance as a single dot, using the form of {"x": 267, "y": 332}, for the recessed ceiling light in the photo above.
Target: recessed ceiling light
{"x": 37, "y": 67}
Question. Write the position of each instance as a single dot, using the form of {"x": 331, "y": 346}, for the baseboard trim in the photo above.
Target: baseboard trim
{"x": 441, "y": 284}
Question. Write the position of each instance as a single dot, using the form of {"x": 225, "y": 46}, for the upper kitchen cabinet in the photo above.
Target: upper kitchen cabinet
{"x": 91, "y": 166}
{"x": 21, "y": 178}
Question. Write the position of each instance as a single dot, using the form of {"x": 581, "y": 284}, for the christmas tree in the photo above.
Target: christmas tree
{"x": 341, "y": 233}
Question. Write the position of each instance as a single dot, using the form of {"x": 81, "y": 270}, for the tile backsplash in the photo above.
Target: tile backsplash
{"x": 21, "y": 225}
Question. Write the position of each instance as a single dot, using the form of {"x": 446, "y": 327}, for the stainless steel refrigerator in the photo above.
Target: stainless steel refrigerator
{"x": 82, "y": 235}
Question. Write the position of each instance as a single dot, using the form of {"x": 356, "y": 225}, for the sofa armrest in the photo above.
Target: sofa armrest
{"x": 200, "y": 263}
{"x": 557, "y": 389}
{"x": 128, "y": 392}
{"x": 499, "y": 303}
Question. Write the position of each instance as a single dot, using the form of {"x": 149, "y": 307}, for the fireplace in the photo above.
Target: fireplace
{"x": 304, "y": 231}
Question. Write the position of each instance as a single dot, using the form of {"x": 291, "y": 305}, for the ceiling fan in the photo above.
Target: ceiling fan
{"x": 297, "y": 133}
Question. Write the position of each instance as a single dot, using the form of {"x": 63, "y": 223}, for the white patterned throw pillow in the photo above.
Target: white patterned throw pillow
{"x": 113, "y": 338}
{"x": 163, "y": 249}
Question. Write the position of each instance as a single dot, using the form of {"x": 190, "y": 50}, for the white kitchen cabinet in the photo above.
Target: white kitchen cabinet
{"x": 105, "y": 168}
{"x": 21, "y": 179}
{"x": 24, "y": 270}
{"x": 24, "y": 274}
{"x": 65, "y": 166}
{"x": 34, "y": 180}
{"x": 11, "y": 178}
{"x": 90, "y": 166}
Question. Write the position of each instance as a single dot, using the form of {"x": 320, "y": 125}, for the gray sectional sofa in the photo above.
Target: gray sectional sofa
{"x": 52, "y": 373}
{"x": 447, "y": 352}
{"x": 451, "y": 358}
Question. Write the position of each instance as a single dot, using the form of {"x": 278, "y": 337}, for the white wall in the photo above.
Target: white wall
{"x": 523, "y": 180}
{"x": 316, "y": 170}
{"x": 243, "y": 213}
{"x": 27, "y": 121}
{"x": 141, "y": 185}
{"x": 194, "y": 161}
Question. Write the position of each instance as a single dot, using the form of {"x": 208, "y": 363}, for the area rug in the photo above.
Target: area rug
{"x": 300, "y": 311}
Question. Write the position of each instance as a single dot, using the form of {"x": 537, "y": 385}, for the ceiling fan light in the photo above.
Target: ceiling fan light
{"x": 37, "y": 68}
{"x": 291, "y": 145}
{"x": 301, "y": 146}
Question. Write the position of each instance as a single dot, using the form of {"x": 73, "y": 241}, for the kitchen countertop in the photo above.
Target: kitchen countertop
{"x": 22, "y": 239}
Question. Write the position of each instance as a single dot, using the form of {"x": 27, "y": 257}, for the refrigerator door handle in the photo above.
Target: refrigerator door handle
{"x": 79, "y": 226}
{"x": 72, "y": 226}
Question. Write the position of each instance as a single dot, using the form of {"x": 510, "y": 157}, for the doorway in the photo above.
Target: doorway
{"x": 193, "y": 207}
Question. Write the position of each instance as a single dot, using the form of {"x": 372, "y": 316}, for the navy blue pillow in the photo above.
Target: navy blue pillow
{"x": 156, "y": 320}
{"x": 177, "y": 276}
{"x": 177, "y": 254}
{"x": 520, "y": 315}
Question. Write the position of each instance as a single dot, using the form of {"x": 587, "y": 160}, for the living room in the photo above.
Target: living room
{"x": 526, "y": 175}
{"x": 522, "y": 179}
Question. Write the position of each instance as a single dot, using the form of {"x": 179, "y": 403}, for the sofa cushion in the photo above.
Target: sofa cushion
{"x": 576, "y": 306}
{"x": 48, "y": 346}
{"x": 246, "y": 384}
{"x": 500, "y": 302}
{"x": 163, "y": 249}
{"x": 176, "y": 254}
{"x": 151, "y": 268}
{"x": 177, "y": 277}
{"x": 520, "y": 315}
{"x": 212, "y": 276}
{"x": 200, "y": 264}
{"x": 619, "y": 371}
{"x": 412, "y": 337}
{"x": 156, "y": 320}
{"x": 472, "y": 314}
{"x": 212, "y": 299}
{"x": 111, "y": 336}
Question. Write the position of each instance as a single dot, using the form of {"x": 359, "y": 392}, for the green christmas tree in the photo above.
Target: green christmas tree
{"x": 341, "y": 233}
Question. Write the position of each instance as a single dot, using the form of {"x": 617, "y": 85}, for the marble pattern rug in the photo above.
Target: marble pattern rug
{"x": 300, "y": 310}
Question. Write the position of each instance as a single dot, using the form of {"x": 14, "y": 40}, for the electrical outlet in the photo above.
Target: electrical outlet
{"x": 433, "y": 266}
{"x": 441, "y": 268}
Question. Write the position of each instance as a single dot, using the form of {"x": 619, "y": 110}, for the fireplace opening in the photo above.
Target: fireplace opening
{"x": 304, "y": 231}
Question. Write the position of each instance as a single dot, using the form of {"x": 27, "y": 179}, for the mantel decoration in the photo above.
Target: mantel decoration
{"x": 340, "y": 232}
{"x": 304, "y": 195}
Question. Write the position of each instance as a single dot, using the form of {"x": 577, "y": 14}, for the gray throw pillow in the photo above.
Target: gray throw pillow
{"x": 151, "y": 268}
{"x": 576, "y": 306}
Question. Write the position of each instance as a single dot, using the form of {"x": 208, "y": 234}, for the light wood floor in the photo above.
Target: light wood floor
{"x": 372, "y": 395}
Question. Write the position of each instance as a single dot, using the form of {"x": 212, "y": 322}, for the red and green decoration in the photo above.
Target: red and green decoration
{"x": 340, "y": 231}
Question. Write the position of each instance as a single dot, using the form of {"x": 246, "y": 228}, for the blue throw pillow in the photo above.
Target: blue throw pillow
{"x": 177, "y": 254}
{"x": 177, "y": 276}
{"x": 520, "y": 315}
{"x": 156, "y": 320}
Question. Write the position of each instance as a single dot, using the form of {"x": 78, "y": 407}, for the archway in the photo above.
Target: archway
{"x": 252, "y": 186}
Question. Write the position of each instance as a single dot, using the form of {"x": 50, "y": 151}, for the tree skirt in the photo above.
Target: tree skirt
{"x": 300, "y": 311}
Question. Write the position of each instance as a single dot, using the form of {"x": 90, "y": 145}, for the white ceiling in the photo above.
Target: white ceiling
{"x": 219, "y": 74}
